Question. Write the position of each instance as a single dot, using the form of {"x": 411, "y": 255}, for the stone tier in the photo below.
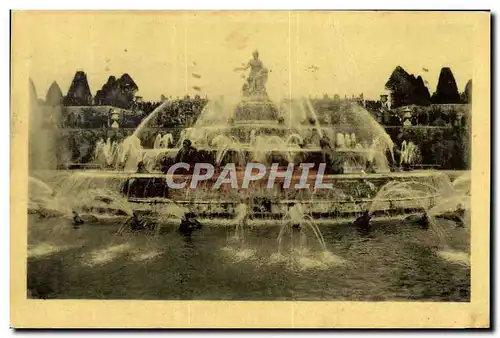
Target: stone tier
{"x": 351, "y": 194}
{"x": 256, "y": 110}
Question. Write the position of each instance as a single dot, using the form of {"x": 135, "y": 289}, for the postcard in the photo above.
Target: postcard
{"x": 250, "y": 169}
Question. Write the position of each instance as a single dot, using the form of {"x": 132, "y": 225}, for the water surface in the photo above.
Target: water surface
{"x": 395, "y": 262}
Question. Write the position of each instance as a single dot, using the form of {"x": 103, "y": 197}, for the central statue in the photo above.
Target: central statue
{"x": 255, "y": 84}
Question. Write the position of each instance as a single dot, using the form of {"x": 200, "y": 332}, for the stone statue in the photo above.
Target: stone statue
{"x": 256, "y": 80}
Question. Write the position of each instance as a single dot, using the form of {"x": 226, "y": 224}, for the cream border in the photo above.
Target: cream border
{"x": 184, "y": 314}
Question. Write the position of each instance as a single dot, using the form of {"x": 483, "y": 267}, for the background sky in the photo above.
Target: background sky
{"x": 308, "y": 53}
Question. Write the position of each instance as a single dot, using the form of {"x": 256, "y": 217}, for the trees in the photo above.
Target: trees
{"x": 420, "y": 95}
{"x": 117, "y": 92}
{"x": 79, "y": 92}
{"x": 406, "y": 89}
{"x": 102, "y": 96}
{"x": 466, "y": 96}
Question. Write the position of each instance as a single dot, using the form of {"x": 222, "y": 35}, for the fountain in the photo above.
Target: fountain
{"x": 270, "y": 175}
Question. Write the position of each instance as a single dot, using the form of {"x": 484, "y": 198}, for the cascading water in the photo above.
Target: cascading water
{"x": 167, "y": 140}
{"x": 255, "y": 129}
{"x": 44, "y": 133}
{"x": 99, "y": 200}
{"x": 237, "y": 249}
{"x": 455, "y": 203}
{"x": 298, "y": 226}
{"x": 294, "y": 139}
{"x": 241, "y": 214}
{"x": 462, "y": 183}
{"x": 158, "y": 140}
{"x": 76, "y": 194}
{"x": 410, "y": 154}
{"x": 297, "y": 217}
{"x": 40, "y": 194}
{"x": 415, "y": 195}
{"x": 138, "y": 201}
{"x": 130, "y": 153}
{"x": 258, "y": 130}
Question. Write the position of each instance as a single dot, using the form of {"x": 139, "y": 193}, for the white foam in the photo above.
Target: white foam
{"x": 332, "y": 259}
{"x": 324, "y": 260}
{"x": 106, "y": 255}
{"x": 276, "y": 258}
{"x": 45, "y": 249}
{"x": 305, "y": 263}
{"x": 303, "y": 259}
{"x": 146, "y": 256}
{"x": 238, "y": 254}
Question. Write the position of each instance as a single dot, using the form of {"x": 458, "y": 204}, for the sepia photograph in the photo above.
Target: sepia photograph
{"x": 295, "y": 158}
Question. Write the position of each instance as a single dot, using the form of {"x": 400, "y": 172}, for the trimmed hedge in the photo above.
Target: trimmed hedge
{"x": 443, "y": 147}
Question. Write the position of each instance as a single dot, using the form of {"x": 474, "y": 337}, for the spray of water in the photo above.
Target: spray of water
{"x": 422, "y": 196}
{"x": 130, "y": 153}
{"x": 44, "y": 134}
{"x": 298, "y": 222}
{"x": 255, "y": 129}
{"x": 455, "y": 204}
{"x": 240, "y": 214}
{"x": 151, "y": 117}
{"x": 101, "y": 199}
{"x": 410, "y": 154}
{"x": 297, "y": 216}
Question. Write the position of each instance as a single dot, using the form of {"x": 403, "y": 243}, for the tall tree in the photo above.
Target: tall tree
{"x": 421, "y": 95}
{"x": 406, "y": 89}
{"x": 127, "y": 89}
{"x": 399, "y": 86}
{"x": 102, "y": 96}
{"x": 117, "y": 92}
{"x": 79, "y": 92}
{"x": 446, "y": 90}
{"x": 466, "y": 96}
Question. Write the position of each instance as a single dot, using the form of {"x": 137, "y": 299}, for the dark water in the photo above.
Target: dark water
{"x": 395, "y": 262}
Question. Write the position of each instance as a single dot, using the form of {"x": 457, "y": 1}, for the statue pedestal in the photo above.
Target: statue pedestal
{"x": 256, "y": 108}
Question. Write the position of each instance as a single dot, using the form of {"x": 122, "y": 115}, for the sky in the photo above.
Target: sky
{"x": 307, "y": 53}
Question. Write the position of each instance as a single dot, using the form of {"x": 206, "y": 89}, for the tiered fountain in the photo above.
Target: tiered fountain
{"x": 258, "y": 130}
